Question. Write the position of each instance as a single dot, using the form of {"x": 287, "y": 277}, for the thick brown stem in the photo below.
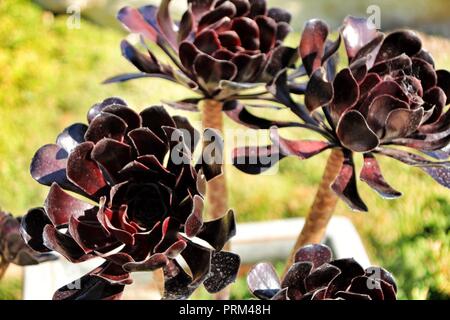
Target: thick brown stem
{"x": 216, "y": 189}
{"x": 216, "y": 193}
{"x": 322, "y": 209}
{"x": 3, "y": 268}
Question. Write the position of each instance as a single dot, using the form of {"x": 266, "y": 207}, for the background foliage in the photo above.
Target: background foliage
{"x": 51, "y": 74}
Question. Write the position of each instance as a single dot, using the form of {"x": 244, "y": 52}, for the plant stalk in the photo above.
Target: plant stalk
{"x": 322, "y": 209}
{"x": 216, "y": 189}
{"x": 3, "y": 267}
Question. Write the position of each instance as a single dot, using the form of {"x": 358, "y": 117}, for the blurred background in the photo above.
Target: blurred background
{"x": 52, "y": 66}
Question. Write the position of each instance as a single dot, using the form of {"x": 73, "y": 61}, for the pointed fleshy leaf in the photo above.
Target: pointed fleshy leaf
{"x": 346, "y": 92}
{"x": 316, "y": 254}
{"x": 295, "y": 278}
{"x": 106, "y": 125}
{"x": 357, "y": 33}
{"x": 281, "y": 57}
{"x": 248, "y": 66}
{"x": 186, "y": 25}
{"x": 32, "y": 228}
{"x": 349, "y": 269}
{"x": 112, "y": 155}
{"x": 71, "y": 136}
{"x": 387, "y": 87}
{"x": 207, "y": 42}
{"x": 128, "y": 115}
{"x": 425, "y": 72}
{"x": 400, "y": 63}
{"x": 218, "y": 232}
{"x": 312, "y": 44}
{"x": 443, "y": 77}
{"x": 237, "y": 112}
{"x": 64, "y": 244}
{"x": 198, "y": 259}
{"x": 133, "y": 20}
{"x": 267, "y": 33}
{"x": 225, "y": 9}
{"x": 403, "y": 122}
{"x": 113, "y": 273}
{"x": 381, "y": 274}
{"x": 148, "y": 143}
{"x": 194, "y": 222}
{"x": 440, "y": 174}
{"x": 434, "y": 98}
{"x": 89, "y": 287}
{"x": 224, "y": 271}
{"x": 166, "y": 25}
{"x": 184, "y": 105}
{"x": 319, "y": 91}
{"x": 263, "y": 281}
{"x": 280, "y": 90}
{"x": 154, "y": 262}
{"x": 60, "y": 206}
{"x": 345, "y": 187}
{"x": 396, "y": 43}
{"x": 303, "y": 149}
{"x": 131, "y": 76}
{"x": 210, "y": 71}
{"x": 212, "y": 160}
{"x": 155, "y": 118}
{"x": 178, "y": 284}
{"x": 144, "y": 63}
{"x": 320, "y": 277}
{"x": 89, "y": 234}
{"x": 352, "y": 296}
{"x": 364, "y": 285}
{"x": 371, "y": 174}
{"x": 83, "y": 171}
{"x": 355, "y": 134}
{"x": 248, "y": 32}
{"x": 379, "y": 111}
{"x": 49, "y": 166}
{"x": 255, "y": 160}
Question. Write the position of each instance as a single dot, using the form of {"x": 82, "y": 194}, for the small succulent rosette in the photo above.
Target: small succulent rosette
{"x": 138, "y": 206}
{"x": 390, "y": 101}
{"x": 218, "y": 49}
{"x": 316, "y": 276}
{"x": 13, "y": 249}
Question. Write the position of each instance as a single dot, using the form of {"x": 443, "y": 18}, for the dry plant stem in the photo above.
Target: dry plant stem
{"x": 322, "y": 209}
{"x": 216, "y": 193}
{"x": 216, "y": 189}
{"x": 3, "y": 268}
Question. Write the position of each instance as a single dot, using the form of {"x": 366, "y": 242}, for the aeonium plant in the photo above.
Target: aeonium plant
{"x": 218, "y": 49}
{"x": 315, "y": 275}
{"x": 389, "y": 101}
{"x": 13, "y": 249}
{"x": 139, "y": 203}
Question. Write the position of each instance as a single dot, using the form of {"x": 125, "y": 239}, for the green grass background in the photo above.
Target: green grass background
{"x": 50, "y": 76}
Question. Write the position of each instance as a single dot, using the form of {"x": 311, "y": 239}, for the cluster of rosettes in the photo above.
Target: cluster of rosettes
{"x": 389, "y": 96}
{"x": 220, "y": 47}
{"x": 315, "y": 276}
{"x": 143, "y": 202}
{"x": 13, "y": 248}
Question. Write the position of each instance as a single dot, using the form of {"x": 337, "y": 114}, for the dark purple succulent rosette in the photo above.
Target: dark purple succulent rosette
{"x": 389, "y": 96}
{"x": 219, "y": 47}
{"x": 316, "y": 276}
{"x": 143, "y": 202}
{"x": 13, "y": 248}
